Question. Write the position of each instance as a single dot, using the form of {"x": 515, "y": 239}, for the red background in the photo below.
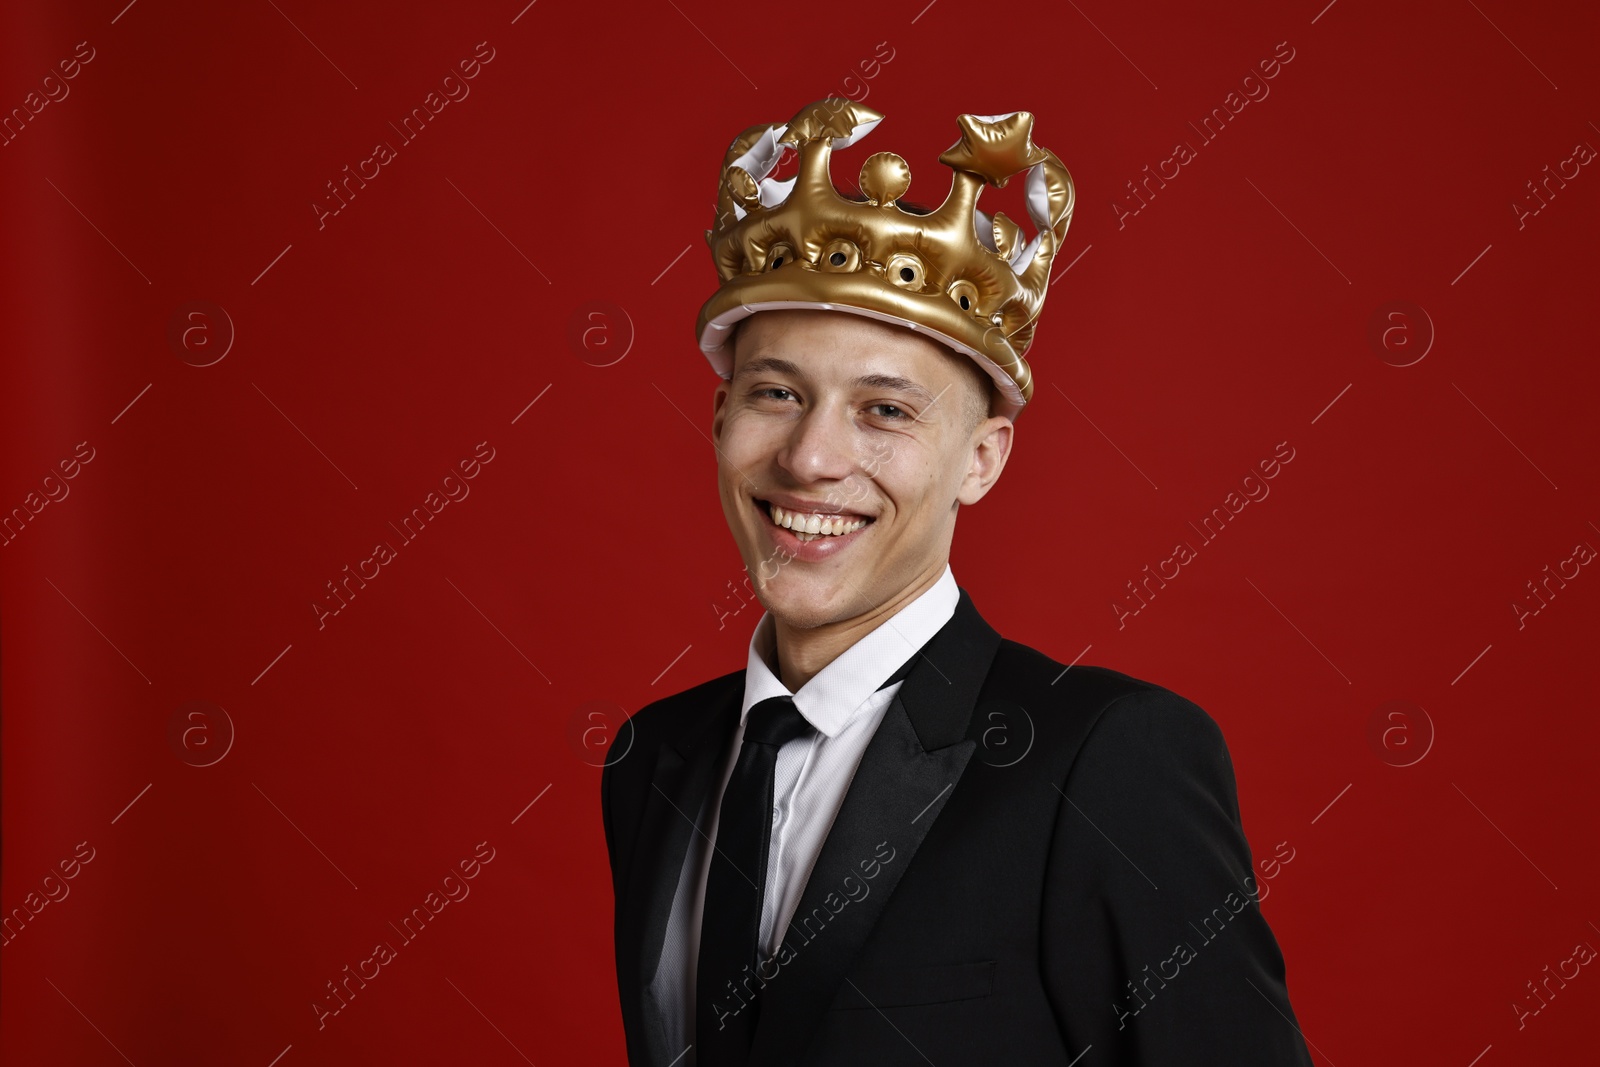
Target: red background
{"x": 371, "y": 355}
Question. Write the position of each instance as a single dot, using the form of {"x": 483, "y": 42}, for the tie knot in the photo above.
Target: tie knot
{"x": 775, "y": 721}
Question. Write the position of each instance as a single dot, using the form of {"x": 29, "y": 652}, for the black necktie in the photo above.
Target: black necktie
{"x": 727, "y": 980}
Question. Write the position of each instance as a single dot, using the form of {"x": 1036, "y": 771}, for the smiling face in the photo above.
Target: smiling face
{"x": 844, "y": 447}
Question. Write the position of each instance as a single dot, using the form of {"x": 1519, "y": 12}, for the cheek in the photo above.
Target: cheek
{"x": 734, "y": 446}
{"x": 914, "y": 483}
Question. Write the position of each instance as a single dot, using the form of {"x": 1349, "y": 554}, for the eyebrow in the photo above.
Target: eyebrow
{"x": 775, "y": 365}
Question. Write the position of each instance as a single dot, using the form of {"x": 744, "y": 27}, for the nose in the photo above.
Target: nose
{"x": 821, "y": 447}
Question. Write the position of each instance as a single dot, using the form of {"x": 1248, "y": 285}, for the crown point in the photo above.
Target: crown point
{"x": 994, "y": 147}
{"x": 885, "y": 177}
{"x": 836, "y": 120}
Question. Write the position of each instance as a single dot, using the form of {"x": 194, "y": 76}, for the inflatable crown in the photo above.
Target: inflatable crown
{"x": 966, "y": 279}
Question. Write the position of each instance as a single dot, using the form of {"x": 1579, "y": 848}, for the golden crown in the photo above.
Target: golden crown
{"x": 964, "y": 277}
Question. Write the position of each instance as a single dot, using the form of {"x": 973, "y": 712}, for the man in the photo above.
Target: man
{"x": 896, "y": 837}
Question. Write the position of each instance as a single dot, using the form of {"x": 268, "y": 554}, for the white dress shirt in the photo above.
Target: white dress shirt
{"x": 813, "y": 773}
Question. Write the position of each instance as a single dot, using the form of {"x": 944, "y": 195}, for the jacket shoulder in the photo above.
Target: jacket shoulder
{"x": 1020, "y": 671}
{"x": 1078, "y": 705}
{"x": 670, "y": 715}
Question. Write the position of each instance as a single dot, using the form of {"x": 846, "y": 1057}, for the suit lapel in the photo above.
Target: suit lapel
{"x": 907, "y": 774}
{"x": 681, "y": 778}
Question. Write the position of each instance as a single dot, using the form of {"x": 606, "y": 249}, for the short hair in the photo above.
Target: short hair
{"x": 979, "y": 403}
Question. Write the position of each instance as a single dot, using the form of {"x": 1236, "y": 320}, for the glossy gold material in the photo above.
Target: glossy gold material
{"x": 968, "y": 280}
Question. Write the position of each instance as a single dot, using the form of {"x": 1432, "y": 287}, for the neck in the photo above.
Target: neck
{"x": 802, "y": 653}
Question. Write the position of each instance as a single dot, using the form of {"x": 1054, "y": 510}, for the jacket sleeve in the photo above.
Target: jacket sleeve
{"x": 1154, "y": 949}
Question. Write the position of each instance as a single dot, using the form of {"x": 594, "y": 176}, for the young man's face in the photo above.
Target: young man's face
{"x": 865, "y": 434}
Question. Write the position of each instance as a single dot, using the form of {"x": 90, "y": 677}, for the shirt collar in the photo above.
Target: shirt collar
{"x": 837, "y": 691}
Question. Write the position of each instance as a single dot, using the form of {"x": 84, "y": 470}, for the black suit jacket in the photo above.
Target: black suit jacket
{"x": 1029, "y": 867}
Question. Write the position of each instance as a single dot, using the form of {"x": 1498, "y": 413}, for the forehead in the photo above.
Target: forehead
{"x": 836, "y": 345}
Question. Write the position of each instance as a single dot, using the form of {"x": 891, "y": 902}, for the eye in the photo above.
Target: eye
{"x": 893, "y": 412}
{"x": 773, "y": 392}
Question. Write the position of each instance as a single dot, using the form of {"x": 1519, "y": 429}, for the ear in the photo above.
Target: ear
{"x": 719, "y": 410}
{"x": 990, "y": 448}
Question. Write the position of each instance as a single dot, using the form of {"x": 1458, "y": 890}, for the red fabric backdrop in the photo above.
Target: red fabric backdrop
{"x": 223, "y": 785}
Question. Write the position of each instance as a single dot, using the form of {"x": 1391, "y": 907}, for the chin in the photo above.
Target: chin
{"x": 804, "y": 603}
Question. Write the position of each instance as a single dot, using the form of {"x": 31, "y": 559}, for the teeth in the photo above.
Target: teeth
{"x": 808, "y": 527}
